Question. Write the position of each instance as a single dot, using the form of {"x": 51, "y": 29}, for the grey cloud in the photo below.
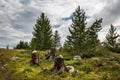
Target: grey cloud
{"x": 4, "y": 41}
{"x": 110, "y": 12}
{"x": 20, "y": 23}
{"x": 25, "y": 20}
{"x": 25, "y": 2}
{"x": 20, "y": 16}
{"x": 4, "y": 38}
{"x": 118, "y": 28}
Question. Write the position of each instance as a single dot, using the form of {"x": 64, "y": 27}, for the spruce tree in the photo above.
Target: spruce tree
{"x": 67, "y": 47}
{"x": 77, "y": 31}
{"x": 91, "y": 35}
{"x": 111, "y": 38}
{"x": 82, "y": 38}
{"x": 42, "y": 33}
{"x": 56, "y": 40}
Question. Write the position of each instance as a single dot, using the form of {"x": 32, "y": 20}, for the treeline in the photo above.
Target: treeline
{"x": 22, "y": 45}
{"x": 80, "y": 39}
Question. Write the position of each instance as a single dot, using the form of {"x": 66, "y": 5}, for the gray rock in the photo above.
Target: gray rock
{"x": 5, "y": 65}
{"x": 71, "y": 69}
{"x": 14, "y": 58}
{"x": 77, "y": 57}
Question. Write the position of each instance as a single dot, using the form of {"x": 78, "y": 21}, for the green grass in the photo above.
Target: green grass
{"x": 98, "y": 67}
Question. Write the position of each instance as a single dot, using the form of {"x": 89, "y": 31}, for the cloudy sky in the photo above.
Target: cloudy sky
{"x": 17, "y": 17}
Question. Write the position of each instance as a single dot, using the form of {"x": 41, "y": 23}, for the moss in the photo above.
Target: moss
{"x": 87, "y": 68}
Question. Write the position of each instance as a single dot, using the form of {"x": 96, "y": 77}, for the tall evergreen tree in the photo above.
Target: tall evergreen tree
{"x": 77, "y": 30}
{"x": 82, "y": 38}
{"x": 66, "y": 46}
{"x": 111, "y": 38}
{"x": 42, "y": 33}
{"x": 91, "y": 35}
{"x": 56, "y": 40}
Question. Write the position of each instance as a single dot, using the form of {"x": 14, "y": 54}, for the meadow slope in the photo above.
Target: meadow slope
{"x": 100, "y": 67}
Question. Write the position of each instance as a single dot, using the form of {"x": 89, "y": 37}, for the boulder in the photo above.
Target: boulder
{"x": 5, "y": 65}
{"x": 71, "y": 69}
{"x": 60, "y": 56}
{"x": 77, "y": 57}
{"x": 14, "y": 58}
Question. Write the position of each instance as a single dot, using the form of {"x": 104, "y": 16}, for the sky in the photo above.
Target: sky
{"x": 18, "y": 17}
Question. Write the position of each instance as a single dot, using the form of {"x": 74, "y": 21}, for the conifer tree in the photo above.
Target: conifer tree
{"x": 42, "y": 33}
{"x": 82, "y": 38}
{"x": 111, "y": 38}
{"x": 67, "y": 47}
{"x": 77, "y": 31}
{"x": 56, "y": 40}
{"x": 91, "y": 35}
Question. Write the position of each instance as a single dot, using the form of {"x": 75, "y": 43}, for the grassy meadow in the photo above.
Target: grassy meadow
{"x": 104, "y": 65}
